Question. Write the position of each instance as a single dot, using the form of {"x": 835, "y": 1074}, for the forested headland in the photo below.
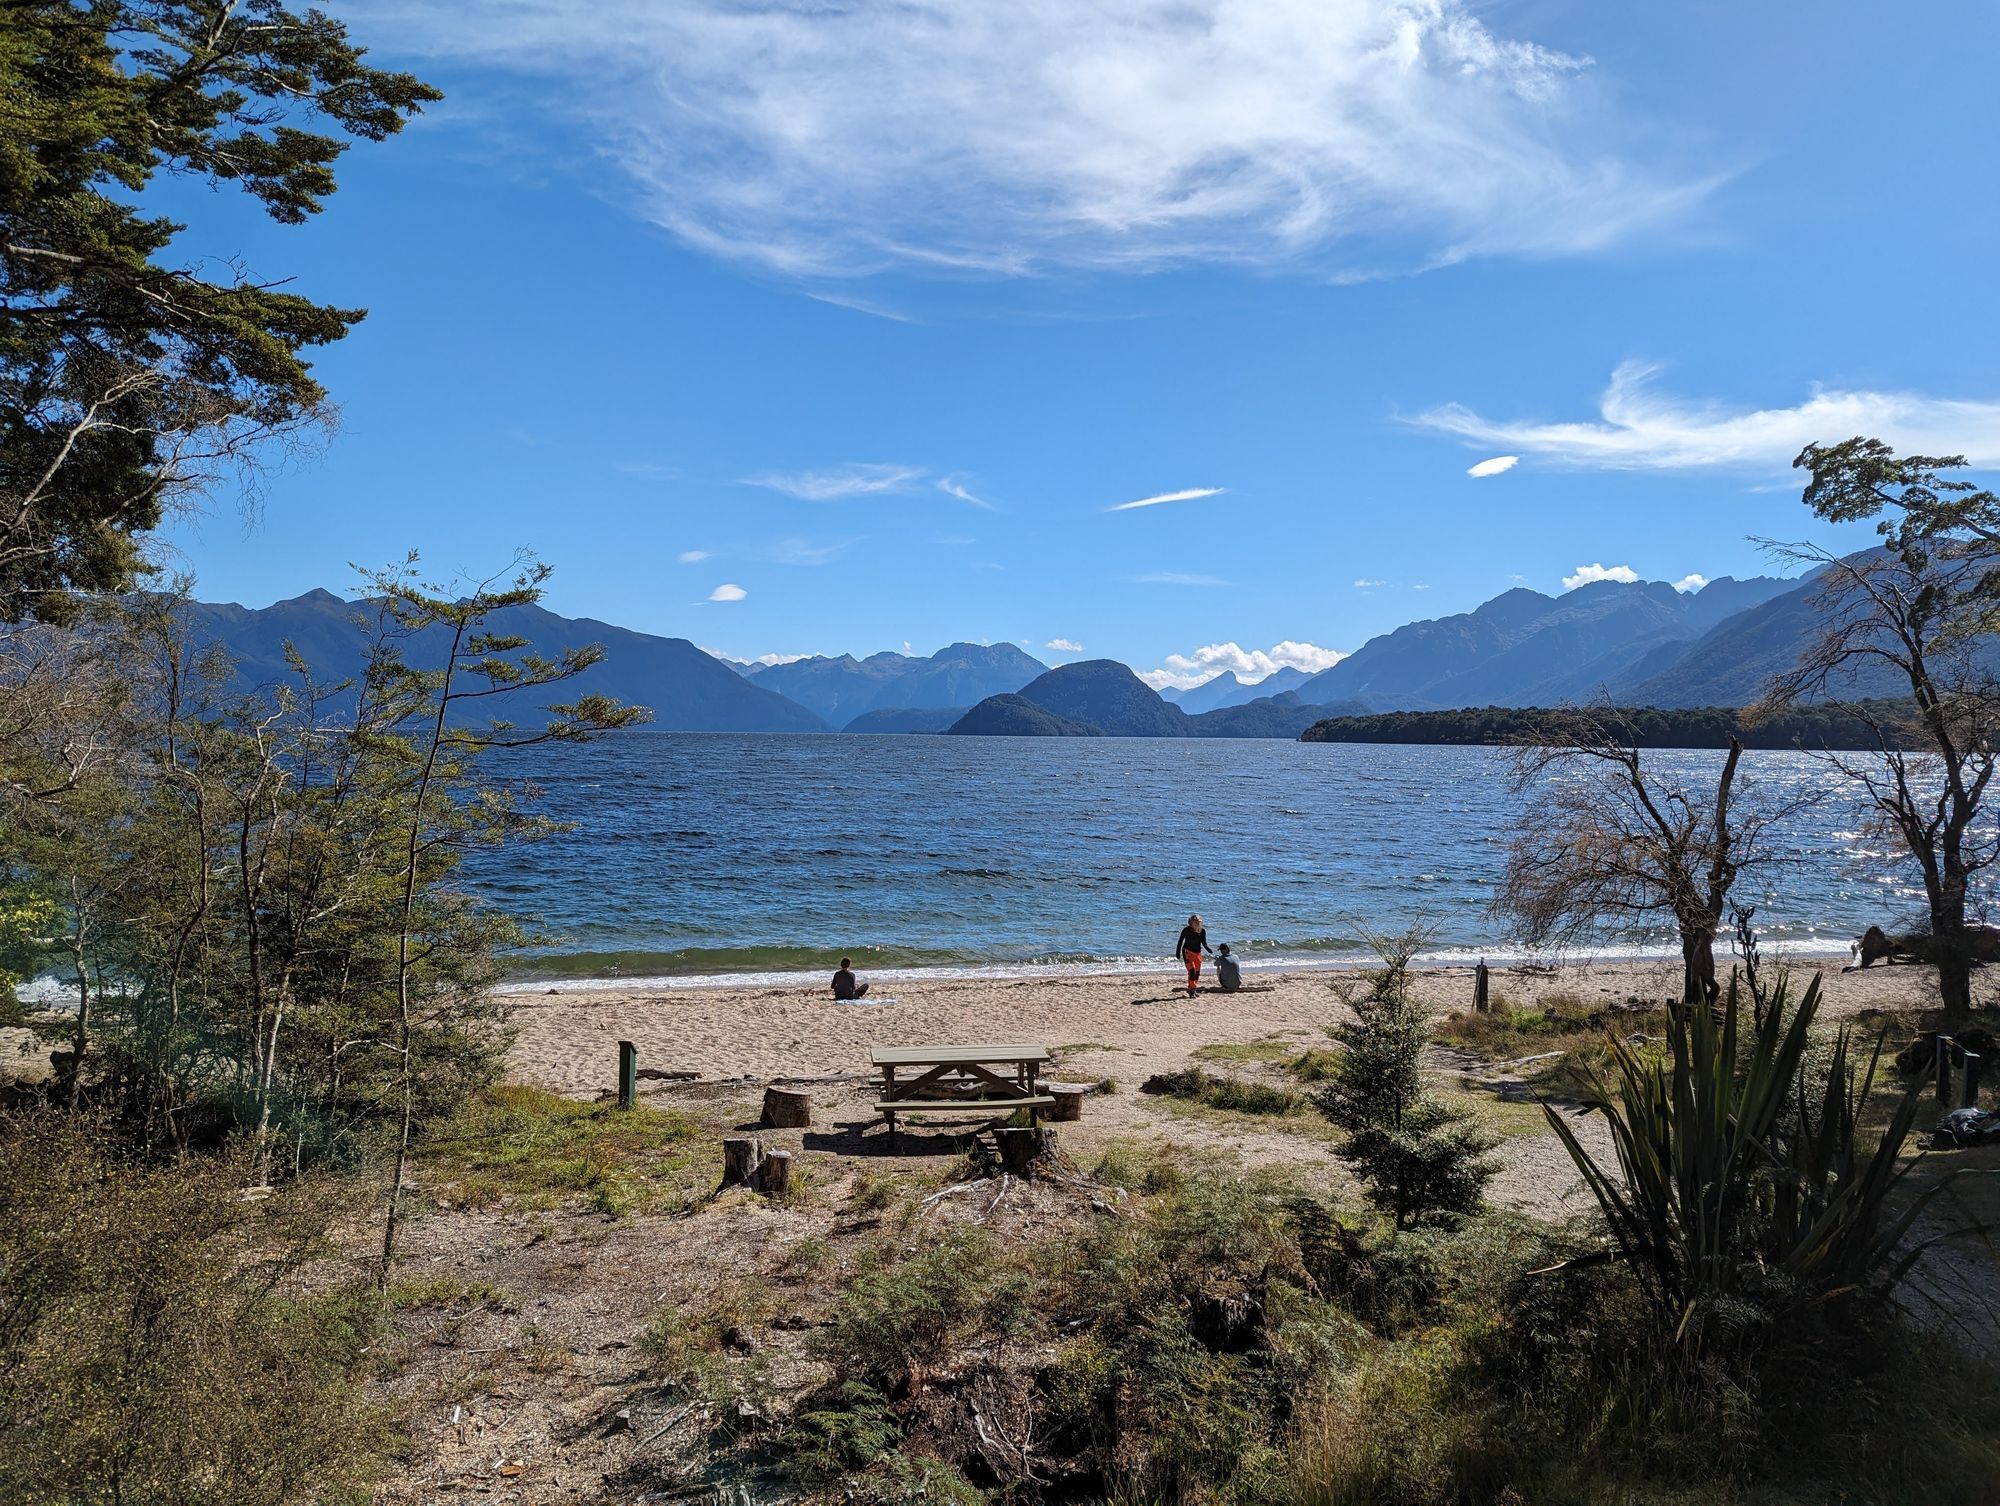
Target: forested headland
{"x": 1860, "y": 726}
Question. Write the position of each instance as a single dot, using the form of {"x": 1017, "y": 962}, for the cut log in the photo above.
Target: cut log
{"x": 1482, "y": 981}
{"x": 774, "y": 1175}
{"x": 1068, "y": 1100}
{"x": 787, "y": 1108}
{"x": 739, "y": 1161}
{"x": 1020, "y": 1149}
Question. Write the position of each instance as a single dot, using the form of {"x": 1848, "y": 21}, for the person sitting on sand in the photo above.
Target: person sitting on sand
{"x": 1228, "y": 975}
{"x": 1192, "y": 943}
{"x": 844, "y": 986}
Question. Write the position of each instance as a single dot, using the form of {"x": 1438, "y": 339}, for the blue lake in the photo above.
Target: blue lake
{"x": 696, "y": 855}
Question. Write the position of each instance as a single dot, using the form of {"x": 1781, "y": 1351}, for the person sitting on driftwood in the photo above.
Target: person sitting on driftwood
{"x": 845, "y": 989}
{"x": 1228, "y": 972}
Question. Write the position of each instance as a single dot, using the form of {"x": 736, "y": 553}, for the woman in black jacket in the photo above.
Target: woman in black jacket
{"x": 1193, "y": 942}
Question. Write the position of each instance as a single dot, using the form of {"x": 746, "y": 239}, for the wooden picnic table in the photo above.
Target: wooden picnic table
{"x": 987, "y": 1080}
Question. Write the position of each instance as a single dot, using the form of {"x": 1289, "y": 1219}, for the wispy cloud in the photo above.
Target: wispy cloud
{"x": 1184, "y": 671}
{"x": 727, "y": 593}
{"x": 1494, "y": 467}
{"x": 804, "y": 552}
{"x": 954, "y": 486}
{"x": 693, "y": 556}
{"x": 1641, "y": 428}
{"x": 1064, "y": 645}
{"x": 1176, "y": 578}
{"x": 652, "y": 470}
{"x": 1189, "y": 495}
{"x": 837, "y": 483}
{"x": 1590, "y": 574}
{"x": 716, "y": 653}
{"x": 1127, "y": 136}
{"x": 1366, "y": 584}
{"x": 861, "y": 306}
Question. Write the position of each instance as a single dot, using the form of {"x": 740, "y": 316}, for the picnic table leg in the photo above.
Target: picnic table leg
{"x": 1034, "y": 1113}
{"x": 888, "y": 1096}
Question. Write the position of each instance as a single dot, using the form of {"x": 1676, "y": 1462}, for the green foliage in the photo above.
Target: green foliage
{"x": 1421, "y": 1159}
{"x": 150, "y": 1355}
{"x": 893, "y": 1320}
{"x": 1741, "y": 1186}
{"x": 1232, "y": 1094}
{"x": 847, "y": 1426}
{"x": 129, "y": 371}
{"x": 1806, "y": 726}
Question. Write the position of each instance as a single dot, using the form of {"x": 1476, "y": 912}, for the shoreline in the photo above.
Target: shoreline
{"x": 1135, "y": 968}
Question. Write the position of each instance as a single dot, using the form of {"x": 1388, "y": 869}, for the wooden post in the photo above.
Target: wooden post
{"x": 740, "y": 1158}
{"x": 774, "y": 1173}
{"x": 1481, "y": 982}
{"x": 1943, "y": 1051}
{"x": 1068, "y": 1105}
{"x": 1021, "y": 1148}
{"x": 787, "y": 1108}
{"x": 1973, "y": 1062}
{"x": 628, "y": 1074}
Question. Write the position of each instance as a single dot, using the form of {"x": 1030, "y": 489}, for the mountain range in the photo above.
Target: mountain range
{"x": 1640, "y": 643}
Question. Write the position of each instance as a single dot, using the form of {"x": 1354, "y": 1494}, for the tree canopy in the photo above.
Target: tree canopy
{"x": 131, "y": 369}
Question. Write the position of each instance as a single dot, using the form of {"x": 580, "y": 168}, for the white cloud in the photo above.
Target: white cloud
{"x": 727, "y": 593}
{"x": 1643, "y": 429}
{"x": 838, "y": 482}
{"x": 1589, "y": 574}
{"x": 1689, "y": 583}
{"x": 1064, "y": 646}
{"x": 1420, "y": 586}
{"x": 716, "y": 653}
{"x": 1495, "y": 466}
{"x": 1365, "y": 583}
{"x": 954, "y": 486}
{"x": 1184, "y": 496}
{"x": 1185, "y": 671}
{"x": 693, "y": 556}
{"x": 1176, "y": 578}
{"x": 824, "y": 140}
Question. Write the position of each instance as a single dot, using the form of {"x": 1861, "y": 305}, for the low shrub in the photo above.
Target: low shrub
{"x": 1230, "y": 1094}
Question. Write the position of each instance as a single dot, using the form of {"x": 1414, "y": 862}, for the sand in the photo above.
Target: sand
{"x": 567, "y": 1040}
{"x": 1125, "y": 1028}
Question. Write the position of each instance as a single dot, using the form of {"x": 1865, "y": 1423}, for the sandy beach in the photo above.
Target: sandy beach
{"x": 1125, "y": 1025}
{"x": 1123, "y": 1028}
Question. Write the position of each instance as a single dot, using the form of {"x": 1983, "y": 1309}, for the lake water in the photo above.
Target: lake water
{"x": 703, "y": 855}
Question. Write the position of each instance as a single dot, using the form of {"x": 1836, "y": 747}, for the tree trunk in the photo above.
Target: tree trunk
{"x": 1698, "y": 985}
{"x": 1954, "y": 970}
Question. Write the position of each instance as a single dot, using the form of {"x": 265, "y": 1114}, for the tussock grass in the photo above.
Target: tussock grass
{"x": 1243, "y": 1051}
{"x": 525, "y": 1148}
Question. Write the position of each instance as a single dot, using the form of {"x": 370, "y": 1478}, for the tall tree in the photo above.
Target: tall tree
{"x": 1922, "y": 607}
{"x": 131, "y": 369}
{"x": 1605, "y": 840}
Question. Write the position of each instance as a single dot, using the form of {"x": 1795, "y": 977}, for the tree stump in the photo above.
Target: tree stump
{"x": 1482, "y": 980}
{"x": 1020, "y": 1149}
{"x": 774, "y": 1174}
{"x": 1068, "y": 1105}
{"x": 787, "y": 1108}
{"x": 740, "y": 1158}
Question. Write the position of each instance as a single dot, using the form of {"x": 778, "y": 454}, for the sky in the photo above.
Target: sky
{"x": 1198, "y": 335}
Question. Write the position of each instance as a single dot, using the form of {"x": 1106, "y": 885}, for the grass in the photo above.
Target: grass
{"x": 523, "y": 1148}
{"x": 1570, "y": 1032}
{"x": 444, "y": 1293}
{"x": 1229, "y": 1094}
{"x": 1244, "y": 1051}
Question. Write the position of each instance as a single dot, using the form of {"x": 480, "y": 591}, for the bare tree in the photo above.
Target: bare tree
{"x": 1603, "y": 841}
{"x": 1916, "y": 610}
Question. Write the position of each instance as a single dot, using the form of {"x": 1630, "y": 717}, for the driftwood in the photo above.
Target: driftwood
{"x": 787, "y": 1108}
{"x": 1982, "y": 946}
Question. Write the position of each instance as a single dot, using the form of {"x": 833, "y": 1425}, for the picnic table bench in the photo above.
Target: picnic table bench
{"x": 994, "y": 1081}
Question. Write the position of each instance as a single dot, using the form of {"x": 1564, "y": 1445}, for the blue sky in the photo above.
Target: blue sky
{"x": 865, "y": 323}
